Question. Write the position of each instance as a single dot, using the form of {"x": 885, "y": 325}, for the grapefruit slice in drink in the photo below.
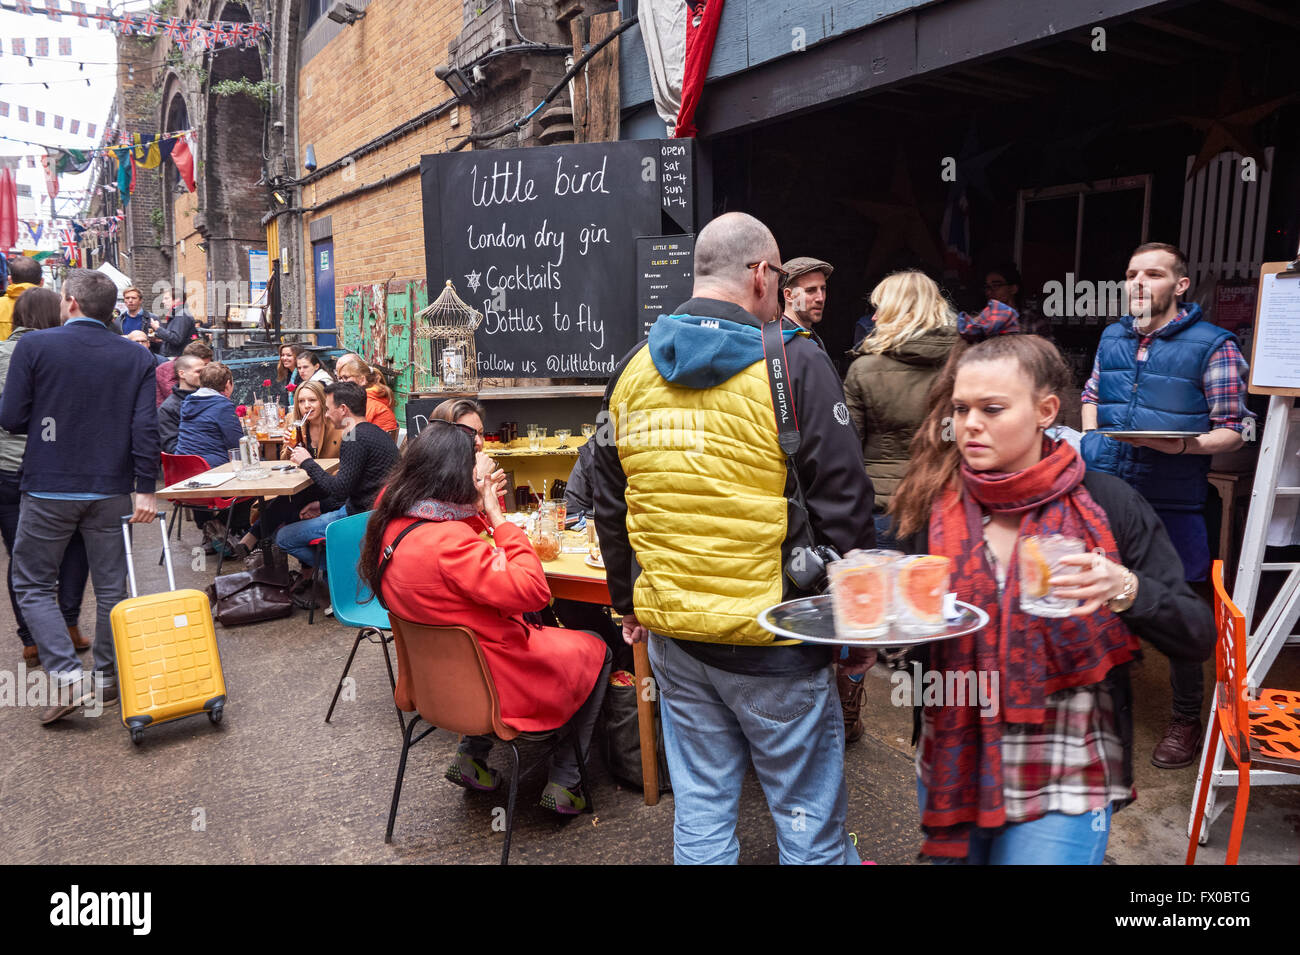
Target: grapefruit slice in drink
{"x": 922, "y": 583}
{"x": 860, "y": 597}
{"x": 1035, "y": 571}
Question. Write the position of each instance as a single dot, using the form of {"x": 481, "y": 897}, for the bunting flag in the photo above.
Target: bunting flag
{"x": 35, "y": 229}
{"x": 702, "y": 19}
{"x": 51, "y": 176}
{"x": 209, "y": 33}
{"x": 40, "y": 46}
{"x": 125, "y": 174}
{"x": 146, "y": 154}
{"x": 183, "y": 159}
{"x": 71, "y": 250}
{"x": 24, "y": 114}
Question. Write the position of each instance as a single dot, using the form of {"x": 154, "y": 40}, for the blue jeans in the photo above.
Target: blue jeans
{"x": 296, "y": 538}
{"x": 44, "y": 529}
{"x": 74, "y": 571}
{"x": 1187, "y": 531}
{"x": 885, "y": 539}
{"x": 1054, "y": 839}
{"x": 792, "y": 729}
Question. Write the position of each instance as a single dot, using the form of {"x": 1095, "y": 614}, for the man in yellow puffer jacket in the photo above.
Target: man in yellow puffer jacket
{"x": 24, "y": 273}
{"x": 692, "y": 502}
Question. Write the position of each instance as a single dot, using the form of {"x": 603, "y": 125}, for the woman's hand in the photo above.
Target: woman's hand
{"x": 1098, "y": 580}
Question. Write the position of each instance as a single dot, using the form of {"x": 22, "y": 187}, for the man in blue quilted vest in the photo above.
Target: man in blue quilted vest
{"x": 1161, "y": 368}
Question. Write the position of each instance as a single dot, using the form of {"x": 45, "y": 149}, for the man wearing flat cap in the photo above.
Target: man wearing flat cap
{"x": 804, "y": 293}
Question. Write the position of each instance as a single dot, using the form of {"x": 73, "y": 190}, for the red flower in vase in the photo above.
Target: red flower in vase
{"x": 241, "y": 410}
{"x": 266, "y": 383}
{"x": 291, "y": 387}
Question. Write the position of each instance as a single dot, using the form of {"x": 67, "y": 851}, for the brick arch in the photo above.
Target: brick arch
{"x": 232, "y": 200}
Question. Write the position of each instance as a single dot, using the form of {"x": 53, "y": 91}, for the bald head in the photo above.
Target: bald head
{"x": 723, "y": 251}
{"x": 140, "y": 338}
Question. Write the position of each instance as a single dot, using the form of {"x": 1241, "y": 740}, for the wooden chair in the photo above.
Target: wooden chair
{"x": 443, "y": 676}
{"x": 1262, "y": 733}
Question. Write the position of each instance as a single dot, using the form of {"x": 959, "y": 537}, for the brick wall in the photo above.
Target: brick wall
{"x": 141, "y": 240}
{"x": 188, "y": 260}
{"x": 370, "y": 78}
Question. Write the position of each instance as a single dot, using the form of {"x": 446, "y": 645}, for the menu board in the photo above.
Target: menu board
{"x": 542, "y": 241}
{"x": 1275, "y": 361}
{"x": 665, "y": 275}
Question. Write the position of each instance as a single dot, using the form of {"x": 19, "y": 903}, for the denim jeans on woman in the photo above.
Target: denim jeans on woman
{"x": 296, "y": 538}
{"x": 73, "y": 572}
{"x": 791, "y": 727}
{"x": 1053, "y": 839}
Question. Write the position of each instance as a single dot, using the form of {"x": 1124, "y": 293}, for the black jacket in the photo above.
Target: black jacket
{"x": 169, "y": 418}
{"x": 1167, "y": 613}
{"x": 176, "y": 333}
{"x": 837, "y": 493}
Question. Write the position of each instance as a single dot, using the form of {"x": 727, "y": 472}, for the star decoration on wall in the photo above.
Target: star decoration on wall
{"x": 472, "y": 280}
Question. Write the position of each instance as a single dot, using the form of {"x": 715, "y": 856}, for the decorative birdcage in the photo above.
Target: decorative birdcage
{"x": 443, "y": 355}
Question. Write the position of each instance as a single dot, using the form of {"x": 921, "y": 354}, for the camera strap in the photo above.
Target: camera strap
{"x": 787, "y": 421}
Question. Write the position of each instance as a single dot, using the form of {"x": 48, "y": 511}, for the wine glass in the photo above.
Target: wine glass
{"x": 588, "y": 430}
{"x": 562, "y": 434}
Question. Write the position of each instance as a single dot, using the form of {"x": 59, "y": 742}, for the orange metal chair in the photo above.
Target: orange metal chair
{"x": 1260, "y": 734}
{"x": 443, "y": 676}
{"x": 182, "y": 467}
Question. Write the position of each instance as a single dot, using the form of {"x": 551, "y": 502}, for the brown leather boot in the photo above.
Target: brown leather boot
{"x": 1180, "y": 745}
{"x": 78, "y": 641}
{"x": 851, "y": 693}
{"x": 32, "y": 655}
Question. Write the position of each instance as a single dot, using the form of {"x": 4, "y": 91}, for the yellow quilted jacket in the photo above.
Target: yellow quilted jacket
{"x": 706, "y": 505}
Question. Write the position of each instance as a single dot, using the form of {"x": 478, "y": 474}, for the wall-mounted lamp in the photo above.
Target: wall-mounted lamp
{"x": 345, "y": 13}
{"x": 456, "y": 81}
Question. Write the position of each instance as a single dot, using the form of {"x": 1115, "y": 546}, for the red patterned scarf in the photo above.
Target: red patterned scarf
{"x": 1034, "y": 656}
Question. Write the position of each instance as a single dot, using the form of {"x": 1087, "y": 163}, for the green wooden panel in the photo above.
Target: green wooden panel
{"x": 398, "y": 353}
{"x": 410, "y": 380}
{"x": 352, "y": 336}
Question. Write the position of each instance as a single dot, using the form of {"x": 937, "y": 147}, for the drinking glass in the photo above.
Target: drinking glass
{"x": 588, "y": 430}
{"x": 862, "y": 587}
{"x": 236, "y": 460}
{"x": 536, "y": 438}
{"x": 562, "y": 435}
{"x": 1040, "y": 560}
{"x": 920, "y": 585}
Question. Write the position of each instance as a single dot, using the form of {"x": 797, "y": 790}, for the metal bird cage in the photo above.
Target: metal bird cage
{"x": 442, "y": 349}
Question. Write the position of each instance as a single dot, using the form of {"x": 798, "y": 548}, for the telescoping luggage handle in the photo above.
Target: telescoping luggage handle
{"x": 161, "y": 519}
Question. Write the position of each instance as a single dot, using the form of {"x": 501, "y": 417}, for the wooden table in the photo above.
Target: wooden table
{"x": 572, "y": 579}
{"x": 274, "y": 484}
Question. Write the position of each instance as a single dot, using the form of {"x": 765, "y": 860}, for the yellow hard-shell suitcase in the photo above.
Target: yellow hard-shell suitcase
{"x": 167, "y": 660}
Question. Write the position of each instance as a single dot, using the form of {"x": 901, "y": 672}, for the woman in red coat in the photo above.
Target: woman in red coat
{"x": 444, "y": 574}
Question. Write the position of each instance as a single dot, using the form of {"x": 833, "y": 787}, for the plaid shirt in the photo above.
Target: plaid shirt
{"x": 1224, "y": 382}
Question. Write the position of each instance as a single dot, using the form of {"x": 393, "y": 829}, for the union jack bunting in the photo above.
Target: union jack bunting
{"x": 42, "y": 46}
{"x": 22, "y": 114}
{"x": 210, "y": 39}
{"x": 40, "y": 118}
{"x": 127, "y": 25}
{"x": 193, "y": 30}
{"x": 23, "y": 6}
{"x": 74, "y": 125}
{"x": 4, "y": 108}
{"x": 90, "y": 130}
{"x": 105, "y": 17}
{"x": 52, "y": 10}
{"x": 79, "y": 10}
{"x": 70, "y": 249}
{"x": 58, "y": 122}
{"x": 19, "y": 46}
{"x": 173, "y": 30}
{"x": 65, "y": 46}
{"x": 149, "y": 26}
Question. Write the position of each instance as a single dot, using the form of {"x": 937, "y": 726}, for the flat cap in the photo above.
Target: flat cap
{"x": 804, "y": 264}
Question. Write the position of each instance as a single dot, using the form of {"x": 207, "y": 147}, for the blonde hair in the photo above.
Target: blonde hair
{"x": 317, "y": 389}
{"x": 908, "y": 304}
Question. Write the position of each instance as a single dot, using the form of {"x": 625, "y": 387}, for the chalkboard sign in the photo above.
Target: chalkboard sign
{"x": 665, "y": 275}
{"x": 542, "y": 242}
{"x": 418, "y": 412}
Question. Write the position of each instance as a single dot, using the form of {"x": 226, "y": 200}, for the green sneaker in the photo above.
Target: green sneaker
{"x": 468, "y": 772}
{"x": 566, "y": 802}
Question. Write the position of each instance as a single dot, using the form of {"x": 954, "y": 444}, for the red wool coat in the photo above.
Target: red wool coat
{"x": 443, "y": 574}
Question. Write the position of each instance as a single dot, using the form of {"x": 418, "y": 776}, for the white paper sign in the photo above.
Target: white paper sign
{"x": 1277, "y": 335}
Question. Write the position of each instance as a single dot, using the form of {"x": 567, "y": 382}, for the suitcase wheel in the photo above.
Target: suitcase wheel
{"x": 214, "y": 715}
{"x": 137, "y": 735}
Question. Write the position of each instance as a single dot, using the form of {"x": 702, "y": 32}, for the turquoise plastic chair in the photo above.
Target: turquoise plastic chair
{"x": 342, "y": 549}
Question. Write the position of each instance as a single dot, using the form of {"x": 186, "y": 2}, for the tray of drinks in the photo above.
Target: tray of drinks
{"x": 812, "y": 619}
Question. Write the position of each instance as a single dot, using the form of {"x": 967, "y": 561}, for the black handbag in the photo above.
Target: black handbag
{"x": 252, "y": 596}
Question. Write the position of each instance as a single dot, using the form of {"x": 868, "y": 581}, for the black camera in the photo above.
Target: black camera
{"x": 806, "y": 567}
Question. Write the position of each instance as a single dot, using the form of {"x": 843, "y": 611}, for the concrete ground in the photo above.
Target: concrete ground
{"x": 275, "y": 783}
